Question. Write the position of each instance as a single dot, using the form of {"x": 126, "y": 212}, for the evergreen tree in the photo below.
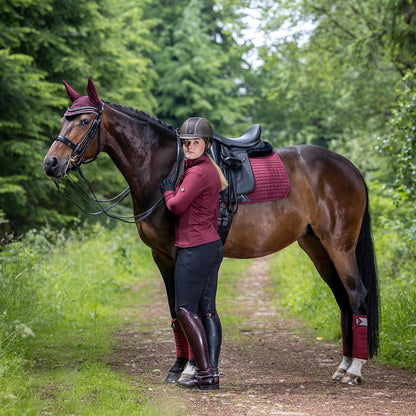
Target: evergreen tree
{"x": 199, "y": 67}
{"x": 41, "y": 43}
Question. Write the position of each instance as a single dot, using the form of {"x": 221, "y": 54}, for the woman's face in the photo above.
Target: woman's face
{"x": 193, "y": 148}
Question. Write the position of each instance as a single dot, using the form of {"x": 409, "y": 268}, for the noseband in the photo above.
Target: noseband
{"x": 79, "y": 149}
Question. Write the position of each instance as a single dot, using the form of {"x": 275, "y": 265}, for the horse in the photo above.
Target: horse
{"x": 326, "y": 212}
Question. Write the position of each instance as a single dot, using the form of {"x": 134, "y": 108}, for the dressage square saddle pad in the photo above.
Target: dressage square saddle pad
{"x": 271, "y": 179}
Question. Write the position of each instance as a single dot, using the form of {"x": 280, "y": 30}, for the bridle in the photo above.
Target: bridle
{"x": 75, "y": 158}
{"x": 79, "y": 149}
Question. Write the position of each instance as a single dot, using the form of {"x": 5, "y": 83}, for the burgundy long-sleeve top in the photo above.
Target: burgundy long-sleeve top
{"x": 195, "y": 203}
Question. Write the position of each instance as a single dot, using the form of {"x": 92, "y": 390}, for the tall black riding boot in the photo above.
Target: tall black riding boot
{"x": 213, "y": 331}
{"x": 195, "y": 333}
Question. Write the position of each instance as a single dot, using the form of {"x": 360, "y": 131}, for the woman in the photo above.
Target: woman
{"x": 200, "y": 251}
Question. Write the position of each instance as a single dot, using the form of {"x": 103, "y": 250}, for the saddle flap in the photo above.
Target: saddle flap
{"x": 236, "y": 167}
{"x": 244, "y": 176}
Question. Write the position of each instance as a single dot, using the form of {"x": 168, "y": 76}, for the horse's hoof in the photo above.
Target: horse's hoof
{"x": 339, "y": 375}
{"x": 176, "y": 370}
{"x": 172, "y": 377}
{"x": 185, "y": 377}
{"x": 352, "y": 379}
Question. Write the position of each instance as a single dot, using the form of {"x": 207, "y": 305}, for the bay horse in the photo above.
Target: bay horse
{"x": 326, "y": 211}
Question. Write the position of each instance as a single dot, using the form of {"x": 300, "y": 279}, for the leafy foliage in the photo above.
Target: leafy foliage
{"x": 199, "y": 66}
{"x": 331, "y": 83}
{"x": 401, "y": 144}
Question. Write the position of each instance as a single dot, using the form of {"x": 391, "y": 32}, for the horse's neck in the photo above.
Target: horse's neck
{"x": 136, "y": 151}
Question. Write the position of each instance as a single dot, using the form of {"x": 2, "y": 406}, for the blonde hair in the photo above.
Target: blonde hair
{"x": 223, "y": 181}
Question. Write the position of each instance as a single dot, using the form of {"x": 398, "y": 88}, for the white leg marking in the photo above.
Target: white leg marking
{"x": 356, "y": 366}
{"x": 353, "y": 376}
{"x": 342, "y": 368}
{"x": 189, "y": 370}
{"x": 345, "y": 363}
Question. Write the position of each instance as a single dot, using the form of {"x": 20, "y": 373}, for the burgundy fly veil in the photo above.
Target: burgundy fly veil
{"x": 83, "y": 104}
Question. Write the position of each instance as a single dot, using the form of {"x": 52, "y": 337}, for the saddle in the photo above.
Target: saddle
{"x": 232, "y": 156}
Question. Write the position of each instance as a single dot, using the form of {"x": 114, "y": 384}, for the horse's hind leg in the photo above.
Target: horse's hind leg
{"x": 346, "y": 265}
{"x": 323, "y": 263}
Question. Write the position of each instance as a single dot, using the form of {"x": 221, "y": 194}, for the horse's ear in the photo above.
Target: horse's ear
{"x": 92, "y": 93}
{"x": 73, "y": 95}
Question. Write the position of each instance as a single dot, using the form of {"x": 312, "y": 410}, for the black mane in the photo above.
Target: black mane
{"x": 142, "y": 116}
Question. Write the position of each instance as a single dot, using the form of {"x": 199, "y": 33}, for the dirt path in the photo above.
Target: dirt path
{"x": 272, "y": 372}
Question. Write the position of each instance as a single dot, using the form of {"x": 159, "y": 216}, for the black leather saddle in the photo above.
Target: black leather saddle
{"x": 249, "y": 139}
{"x": 232, "y": 156}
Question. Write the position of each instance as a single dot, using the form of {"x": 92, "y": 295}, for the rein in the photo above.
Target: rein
{"x": 78, "y": 152}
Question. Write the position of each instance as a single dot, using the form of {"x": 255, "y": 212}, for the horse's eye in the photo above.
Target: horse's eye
{"x": 84, "y": 122}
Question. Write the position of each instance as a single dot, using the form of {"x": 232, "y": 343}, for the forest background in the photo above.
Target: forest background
{"x": 338, "y": 74}
{"x": 335, "y": 74}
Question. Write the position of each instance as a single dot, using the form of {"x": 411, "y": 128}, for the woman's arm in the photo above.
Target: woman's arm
{"x": 179, "y": 200}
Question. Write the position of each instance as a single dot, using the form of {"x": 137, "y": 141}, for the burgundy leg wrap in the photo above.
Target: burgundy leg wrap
{"x": 359, "y": 332}
{"x": 181, "y": 343}
{"x": 346, "y": 348}
{"x": 190, "y": 354}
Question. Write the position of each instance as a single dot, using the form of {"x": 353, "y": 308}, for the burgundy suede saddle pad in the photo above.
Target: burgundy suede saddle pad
{"x": 270, "y": 177}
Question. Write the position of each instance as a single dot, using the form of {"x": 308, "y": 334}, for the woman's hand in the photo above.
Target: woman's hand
{"x": 167, "y": 185}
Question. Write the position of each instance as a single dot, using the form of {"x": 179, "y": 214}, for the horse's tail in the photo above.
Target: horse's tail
{"x": 367, "y": 268}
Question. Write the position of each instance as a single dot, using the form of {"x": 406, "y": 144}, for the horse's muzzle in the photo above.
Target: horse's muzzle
{"x": 53, "y": 167}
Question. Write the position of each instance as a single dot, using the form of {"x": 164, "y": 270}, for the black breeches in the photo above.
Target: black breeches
{"x": 196, "y": 277}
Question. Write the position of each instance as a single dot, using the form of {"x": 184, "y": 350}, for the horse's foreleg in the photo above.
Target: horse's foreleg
{"x": 166, "y": 266}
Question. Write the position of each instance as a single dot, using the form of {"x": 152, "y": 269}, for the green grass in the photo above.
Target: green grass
{"x": 397, "y": 277}
{"x": 91, "y": 389}
{"x": 231, "y": 273}
{"x": 64, "y": 296}
{"x": 299, "y": 290}
{"x": 61, "y": 302}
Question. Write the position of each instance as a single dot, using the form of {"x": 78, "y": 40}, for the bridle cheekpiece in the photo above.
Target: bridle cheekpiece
{"x": 79, "y": 149}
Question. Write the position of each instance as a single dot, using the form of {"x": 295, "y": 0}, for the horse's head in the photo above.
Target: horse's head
{"x": 79, "y": 138}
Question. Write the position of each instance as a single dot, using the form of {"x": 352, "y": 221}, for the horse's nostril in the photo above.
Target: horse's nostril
{"x": 53, "y": 161}
{"x": 50, "y": 164}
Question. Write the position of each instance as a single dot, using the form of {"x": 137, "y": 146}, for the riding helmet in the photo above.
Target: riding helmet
{"x": 195, "y": 128}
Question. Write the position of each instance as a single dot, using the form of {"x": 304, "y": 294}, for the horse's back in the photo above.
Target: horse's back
{"x": 313, "y": 161}
{"x": 327, "y": 195}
